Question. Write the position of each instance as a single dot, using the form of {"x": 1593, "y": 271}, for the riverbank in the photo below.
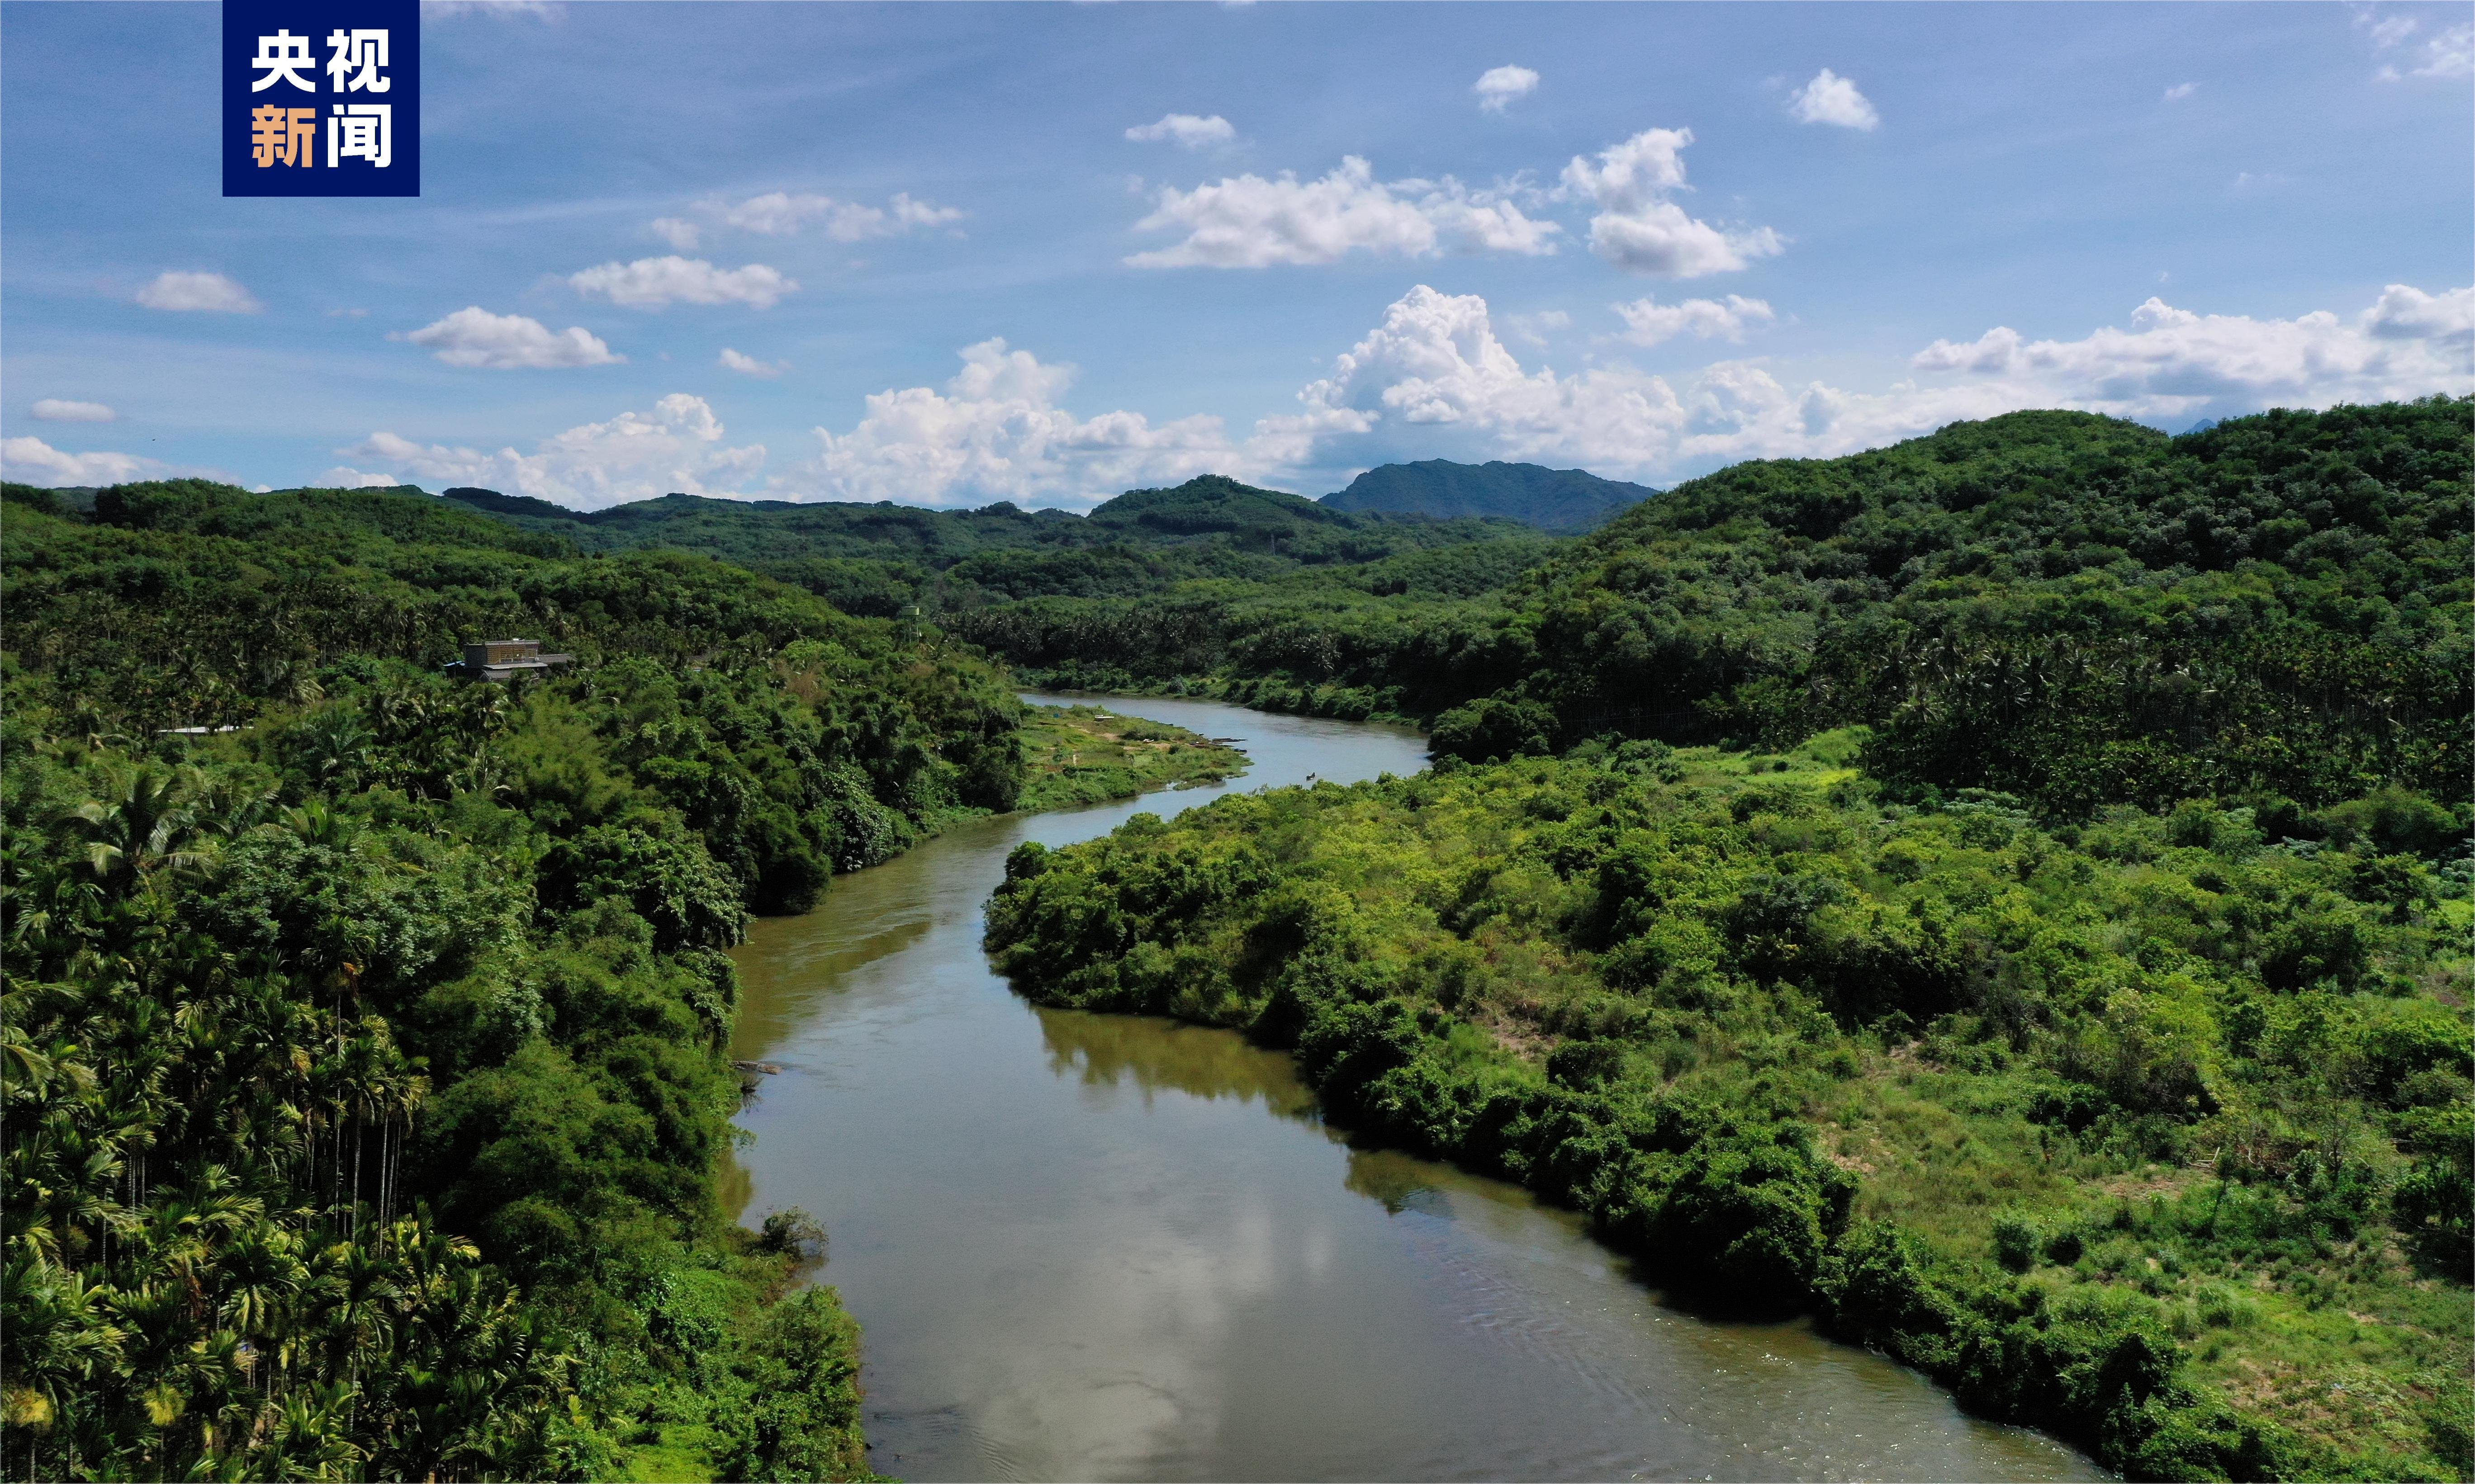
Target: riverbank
{"x": 1792, "y": 1048}
{"x": 772, "y": 1387}
{"x": 1118, "y": 1246}
{"x": 1079, "y": 753}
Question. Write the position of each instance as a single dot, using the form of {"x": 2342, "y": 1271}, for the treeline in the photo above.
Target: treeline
{"x": 2068, "y": 607}
{"x": 364, "y": 1062}
{"x": 887, "y": 560}
{"x": 2153, "y": 1132}
{"x": 2047, "y": 961}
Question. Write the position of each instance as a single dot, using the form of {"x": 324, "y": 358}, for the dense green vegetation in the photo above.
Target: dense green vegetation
{"x": 2152, "y": 1132}
{"x": 887, "y": 560}
{"x": 2046, "y": 958}
{"x": 2055, "y": 975}
{"x": 1560, "y": 501}
{"x": 363, "y": 1042}
{"x": 2077, "y": 610}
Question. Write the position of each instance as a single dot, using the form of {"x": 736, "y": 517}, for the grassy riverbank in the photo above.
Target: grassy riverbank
{"x": 1089, "y": 755}
{"x": 2151, "y": 1132}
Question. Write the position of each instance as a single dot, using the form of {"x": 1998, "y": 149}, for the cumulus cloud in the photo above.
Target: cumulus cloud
{"x": 1638, "y": 229}
{"x": 475, "y": 338}
{"x": 651, "y": 283}
{"x": 1533, "y": 328}
{"x": 33, "y": 461}
{"x": 2180, "y": 91}
{"x": 995, "y": 431}
{"x": 53, "y": 410}
{"x": 1833, "y": 99}
{"x": 675, "y": 445}
{"x": 678, "y": 232}
{"x": 343, "y": 476}
{"x": 198, "y": 292}
{"x": 750, "y": 365}
{"x": 1648, "y": 322}
{"x": 784, "y": 213}
{"x": 1249, "y": 222}
{"x": 2403, "y": 312}
{"x": 2175, "y": 363}
{"x": 1498, "y": 86}
{"x": 1186, "y": 131}
{"x": 1435, "y": 361}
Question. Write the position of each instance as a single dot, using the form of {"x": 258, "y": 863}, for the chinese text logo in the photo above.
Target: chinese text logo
{"x": 322, "y": 99}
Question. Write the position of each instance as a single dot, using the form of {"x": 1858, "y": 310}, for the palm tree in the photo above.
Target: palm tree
{"x": 143, "y": 830}
{"x": 337, "y": 747}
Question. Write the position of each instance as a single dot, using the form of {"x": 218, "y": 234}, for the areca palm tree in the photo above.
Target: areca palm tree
{"x": 337, "y": 747}
{"x": 144, "y": 829}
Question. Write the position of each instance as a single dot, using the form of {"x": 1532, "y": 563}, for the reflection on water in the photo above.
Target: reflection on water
{"x": 1082, "y": 1249}
{"x": 1151, "y": 1053}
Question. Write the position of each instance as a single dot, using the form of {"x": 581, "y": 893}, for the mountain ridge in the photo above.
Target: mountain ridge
{"x": 1560, "y": 501}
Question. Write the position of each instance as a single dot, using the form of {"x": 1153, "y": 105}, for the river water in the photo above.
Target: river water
{"x": 1109, "y": 1246}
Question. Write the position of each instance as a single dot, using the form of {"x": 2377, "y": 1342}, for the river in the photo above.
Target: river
{"x": 1105, "y": 1246}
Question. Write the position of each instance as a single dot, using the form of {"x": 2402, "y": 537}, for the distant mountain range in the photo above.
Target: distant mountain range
{"x": 1563, "y": 502}
{"x": 1208, "y": 509}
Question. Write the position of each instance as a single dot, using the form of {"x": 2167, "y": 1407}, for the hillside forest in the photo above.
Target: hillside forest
{"x": 2006, "y": 894}
{"x": 363, "y": 1027}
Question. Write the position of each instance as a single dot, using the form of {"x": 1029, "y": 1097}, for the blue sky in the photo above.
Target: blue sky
{"x": 1658, "y": 239}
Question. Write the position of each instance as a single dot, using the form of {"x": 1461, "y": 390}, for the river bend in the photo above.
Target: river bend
{"x": 1099, "y": 1247}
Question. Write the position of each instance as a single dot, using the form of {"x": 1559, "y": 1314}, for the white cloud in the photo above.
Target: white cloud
{"x": 33, "y": 461}
{"x": 636, "y": 455}
{"x": 651, "y": 283}
{"x": 2449, "y": 55}
{"x": 2180, "y": 91}
{"x": 1186, "y": 131}
{"x": 209, "y": 292}
{"x": 1639, "y": 230}
{"x": 1648, "y": 322}
{"x": 996, "y": 432}
{"x": 1435, "y": 361}
{"x": 678, "y": 232}
{"x": 782, "y": 215}
{"x": 475, "y": 338}
{"x": 2173, "y": 362}
{"x": 750, "y": 365}
{"x": 1498, "y": 86}
{"x": 343, "y": 476}
{"x": 1249, "y": 222}
{"x": 1533, "y": 328}
{"x": 1833, "y": 99}
{"x": 505, "y": 10}
{"x": 53, "y": 410}
{"x": 2403, "y": 312}
{"x": 2386, "y": 30}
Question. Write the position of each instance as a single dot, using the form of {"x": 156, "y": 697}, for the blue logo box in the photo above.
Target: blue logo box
{"x": 322, "y": 99}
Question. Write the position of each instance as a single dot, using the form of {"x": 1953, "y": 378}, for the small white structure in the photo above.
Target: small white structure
{"x": 503, "y": 659}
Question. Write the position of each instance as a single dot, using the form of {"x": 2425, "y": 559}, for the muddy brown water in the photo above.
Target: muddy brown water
{"x": 1110, "y": 1247}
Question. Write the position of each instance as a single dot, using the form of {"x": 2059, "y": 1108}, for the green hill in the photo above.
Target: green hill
{"x": 1561, "y": 501}
{"x": 365, "y": 1028}
{"x": 886, "y": 559}
{"x": 2006, "y": 895}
